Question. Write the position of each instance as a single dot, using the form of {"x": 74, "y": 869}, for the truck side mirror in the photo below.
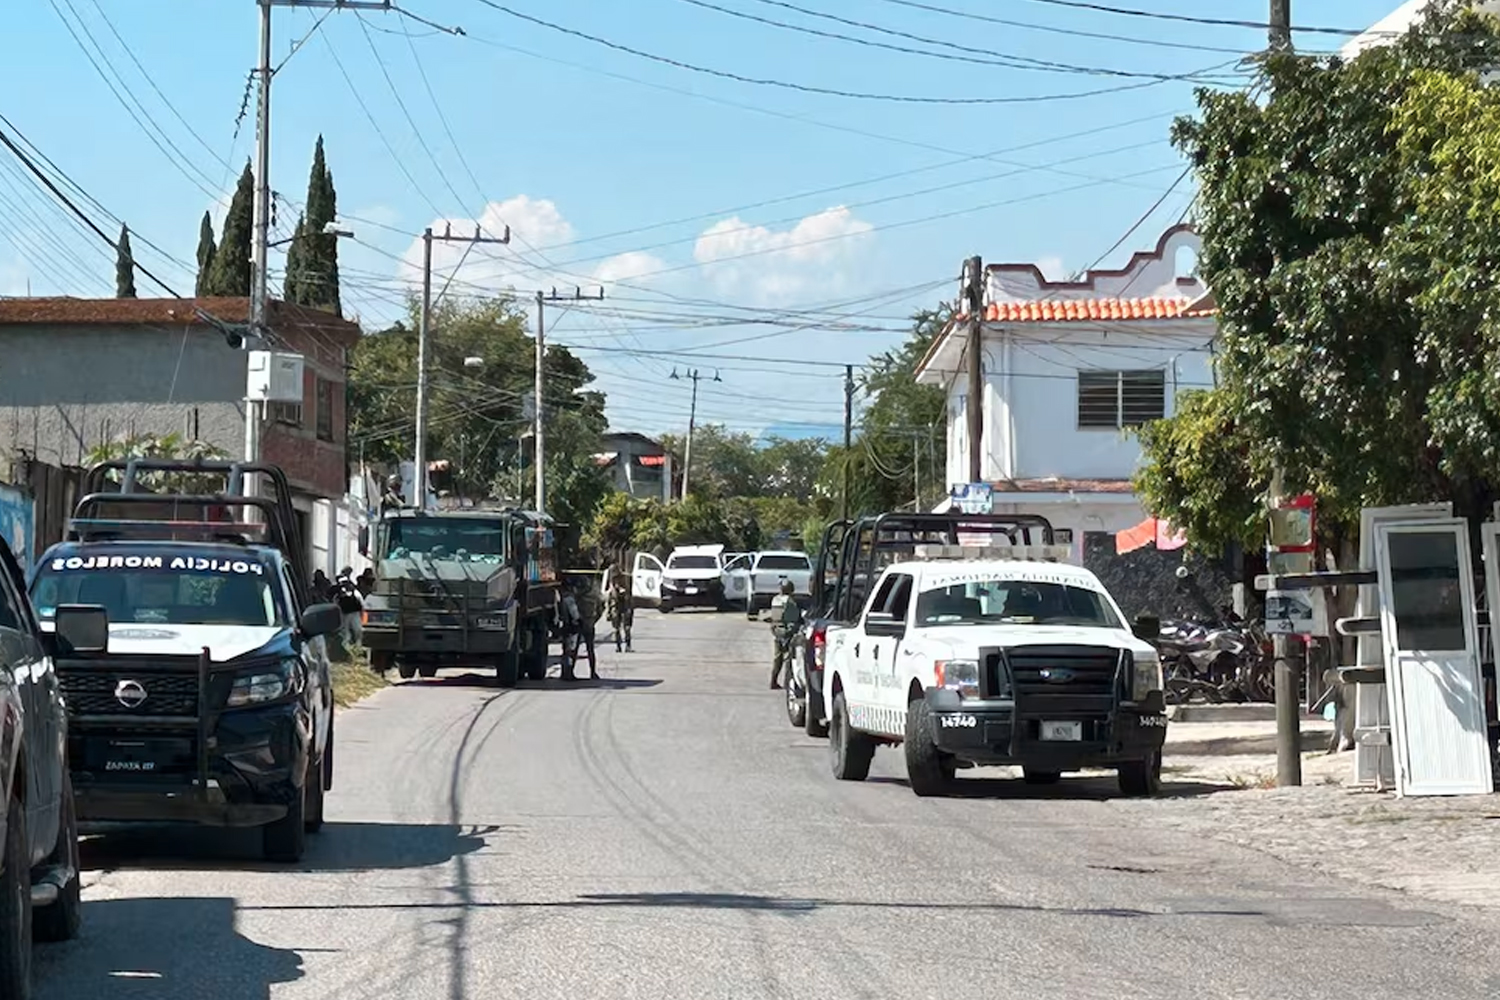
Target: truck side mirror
{"x": 321, "y": 619}
{"x": 81, "y": 628}
{"x": 1147, "y": 628}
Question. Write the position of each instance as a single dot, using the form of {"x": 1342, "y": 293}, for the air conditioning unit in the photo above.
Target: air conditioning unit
{"x": 275, "y": 377}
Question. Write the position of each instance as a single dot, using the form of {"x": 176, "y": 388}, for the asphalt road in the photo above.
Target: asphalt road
{"x": 666, "y": 834}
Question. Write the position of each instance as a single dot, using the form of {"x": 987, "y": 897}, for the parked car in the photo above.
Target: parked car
{"x": 691, "y": 577}
{"x": 39, "y": 878}
{"x": 757, "y": 579}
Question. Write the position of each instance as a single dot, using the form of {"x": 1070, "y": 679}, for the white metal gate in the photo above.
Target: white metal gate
{"x": 1431, "y": 647}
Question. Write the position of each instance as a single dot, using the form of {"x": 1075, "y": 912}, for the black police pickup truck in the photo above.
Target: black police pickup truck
{"x": 193, "y": 667}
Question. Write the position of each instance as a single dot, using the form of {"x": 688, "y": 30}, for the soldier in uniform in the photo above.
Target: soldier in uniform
{"x": 786, "y": 619}
{"x": 621, "y": 607}
{"x": 579, "y": 611}
{"x": 391, "y": 498}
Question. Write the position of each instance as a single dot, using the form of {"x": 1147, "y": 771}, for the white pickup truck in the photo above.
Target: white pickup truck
{"x": 691, "y": 577}
{"x": 754, "y": 578}
{"x": 968, "y": 656}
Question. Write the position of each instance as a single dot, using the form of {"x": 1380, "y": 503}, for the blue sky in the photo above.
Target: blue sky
{"x": 698, "y": 201}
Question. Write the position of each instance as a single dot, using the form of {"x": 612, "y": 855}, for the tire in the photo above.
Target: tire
{"x": 405, "y": 671}
{"x": 60, "y": 920}
{"x": 812, "y": 725}
{"x": 312, "y": 820}
{"x": 533, "y": 660}
{"x": 664, "y": 608}
{"x": 928, "y": 769}
{"x": 796, "y": 708}
{"x": 428, "y": 670}
{"x": 15, "y": 908}
{"x": 1141, "y": 778}
{"x": 508, "y": 668}
{"x": 850, "y": 752}
{"x": 285, "y": 840}
{"x": 328, "y": 755}
{"x": 1042, "y": 777}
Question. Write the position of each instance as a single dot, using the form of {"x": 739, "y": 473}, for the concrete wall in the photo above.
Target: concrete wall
{"x": 63, "y": 391}
{"x": 1031, "y": 396}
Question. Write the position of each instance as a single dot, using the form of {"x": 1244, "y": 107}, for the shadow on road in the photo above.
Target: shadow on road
{"x": 339, "y": 847}
{"x": 162, "y": 949}
{"x": 550, "y": 683}
{"x": 1082, "y": 788}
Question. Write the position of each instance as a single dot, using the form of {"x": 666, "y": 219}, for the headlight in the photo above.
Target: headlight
{"x": 1147, "y": 675}
{"x": 958, "y": 675}
{"x": 264, "y": 684}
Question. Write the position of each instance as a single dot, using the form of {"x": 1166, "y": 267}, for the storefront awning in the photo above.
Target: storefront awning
{"x": 1150, "y": 531}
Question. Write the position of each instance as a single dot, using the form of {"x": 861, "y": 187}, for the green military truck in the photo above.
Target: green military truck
{"x": 468, "y": 587}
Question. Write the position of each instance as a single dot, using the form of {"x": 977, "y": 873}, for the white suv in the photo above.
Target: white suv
{"x": 691, "y": 577}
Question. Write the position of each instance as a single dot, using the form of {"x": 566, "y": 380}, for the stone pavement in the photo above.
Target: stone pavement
{"x": 1438, "y": 848}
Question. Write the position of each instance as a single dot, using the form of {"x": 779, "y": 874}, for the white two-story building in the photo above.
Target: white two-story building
{"x": 1069, "y": 370}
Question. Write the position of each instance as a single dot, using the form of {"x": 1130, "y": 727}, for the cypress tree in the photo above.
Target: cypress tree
{"x": 206, "y": 248}
{"x": 313, "y": 260}
{"x": 231, "y": 274}
{"x": 124, "y": 266}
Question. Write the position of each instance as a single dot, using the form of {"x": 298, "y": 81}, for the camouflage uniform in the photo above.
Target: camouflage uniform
{"x": 581, "y": 609}
{"x": 621, "y": 608}
{"x": 786, "y": 619}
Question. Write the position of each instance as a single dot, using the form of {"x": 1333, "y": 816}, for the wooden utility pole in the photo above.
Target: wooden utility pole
{"x": 419, "y": 453}
{"x": 687, "y": 451}
{"x": 974, "y": 306}
{"x": 1281, "y": 25}
{"x": 848, "y": 436}
{"x": 539, "y": 388}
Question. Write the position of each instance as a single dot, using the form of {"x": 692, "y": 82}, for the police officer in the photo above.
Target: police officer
{"x": 786, "y": 620}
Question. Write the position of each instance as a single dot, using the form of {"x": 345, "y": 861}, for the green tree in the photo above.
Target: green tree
{"x": 206, "y": 251}
{"x": 1348, "y": 235}
{"x": 697, "y": 521}
{"x": 124, "y": 266}
{"x": 725, "y": 463}
{"x": 789, "y": 467}
{"x": 312, "y": 267}
{"x": 230, "y": 273}
{"x": 476, "y": 418}
{"x": 173, "y": 446}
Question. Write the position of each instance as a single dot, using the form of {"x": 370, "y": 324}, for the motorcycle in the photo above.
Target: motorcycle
{"x": 1221, "y": 660}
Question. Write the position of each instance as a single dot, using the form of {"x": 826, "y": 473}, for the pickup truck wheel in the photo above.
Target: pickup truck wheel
{"x": 929, "y": 770}
{"x": 313, "y": 821}
{"x": 1141, "y": 777}
{"x": 59, "y": 921}
{"x": 535, "y": 656}
{"x": 851, "y": 751}
{"x": 286, "y": 838}
{"x": 428, "y": 670}
{"x": 812, "y": 725}
{"x": 796, "y": 708}
{"x": 15, "y": 907}
{"x": 405, "y": 671}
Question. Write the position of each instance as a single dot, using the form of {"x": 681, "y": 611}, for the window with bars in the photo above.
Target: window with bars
{"x": 285, "y": 413}
{"x": 1113, "y": 400}
{"x": 325, "y": 409}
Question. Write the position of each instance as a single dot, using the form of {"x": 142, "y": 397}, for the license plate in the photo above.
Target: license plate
{"x": 690, "y": 590}
{"x": 1062, "y": 732}
{"x": 492, "y": 623}
{"x": 115, "y": 756}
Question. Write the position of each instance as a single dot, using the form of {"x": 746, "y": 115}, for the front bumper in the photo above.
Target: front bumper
{"x": 440, "y": 642}
{"x": 248, "y": 771}
{"x": 704, "y": 595}
{"x": 992, "y": 732}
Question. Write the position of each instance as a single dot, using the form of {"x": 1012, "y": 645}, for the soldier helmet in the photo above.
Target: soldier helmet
{"x": 787, "y": 587}
{"x": 393, "y": 481}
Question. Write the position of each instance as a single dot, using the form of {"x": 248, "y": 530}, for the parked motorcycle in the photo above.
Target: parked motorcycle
{"x": 1221, "y": 659}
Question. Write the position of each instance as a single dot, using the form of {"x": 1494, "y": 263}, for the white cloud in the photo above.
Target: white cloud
{"x": 821, "y": 256}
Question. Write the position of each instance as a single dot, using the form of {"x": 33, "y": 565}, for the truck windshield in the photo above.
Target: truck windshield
{"x": 693, "y": 562}
{"x": 447, "y": 538}
{"x": 168, "y": 590}
{"x": 1014, "y": 602}
{"x": 784, "y": 562}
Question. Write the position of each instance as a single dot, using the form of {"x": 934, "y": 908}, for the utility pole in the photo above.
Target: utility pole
{"x": 1281, "y": 25}
{"x": 1287, "y": 650}
{"x": 916, "y": 472}
{"x": 260, "y": 250}
{"x": 538, "y": 432}
{"x": 424, "y": 335}
{"x": 687, "y": 451}
{"x": 848, "y": 435}
{"x": 974, "y": 303}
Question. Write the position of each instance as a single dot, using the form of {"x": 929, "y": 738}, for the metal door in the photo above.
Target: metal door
{"x": 645, "y": 578}
{"x": 1431, "y": 647}
{"x": 1373, "y": 763}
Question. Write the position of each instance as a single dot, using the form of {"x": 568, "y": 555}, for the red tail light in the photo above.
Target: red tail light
{"x": 820, "y": 645}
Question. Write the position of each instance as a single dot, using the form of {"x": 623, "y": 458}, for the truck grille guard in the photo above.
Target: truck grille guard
{"x": 1087, "y": 683}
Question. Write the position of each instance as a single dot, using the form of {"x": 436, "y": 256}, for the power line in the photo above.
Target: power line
{"x": 61, "y": 196}
{"x": 983, "y": 57}
{"x": 1191, "y": 19}
{"x": 1054, "y": 29}
{"x": 808, "y": 88}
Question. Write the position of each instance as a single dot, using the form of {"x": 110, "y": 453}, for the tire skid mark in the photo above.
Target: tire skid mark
{"x": 743, "y": 877}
